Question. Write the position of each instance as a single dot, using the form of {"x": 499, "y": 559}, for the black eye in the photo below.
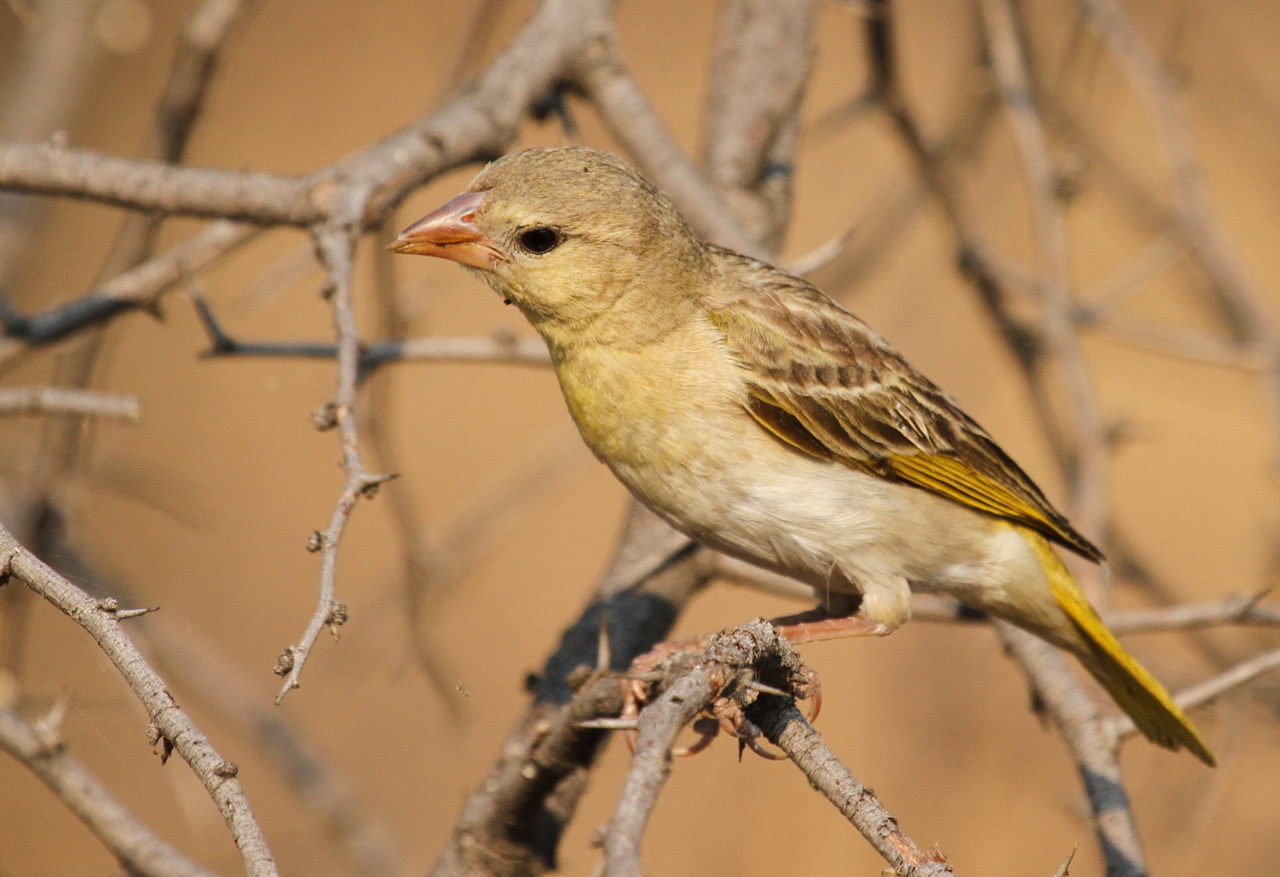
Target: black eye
{"x": 540, "y": 240}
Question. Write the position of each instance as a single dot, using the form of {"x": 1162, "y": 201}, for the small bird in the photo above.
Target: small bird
{"x": 762, "y": 419}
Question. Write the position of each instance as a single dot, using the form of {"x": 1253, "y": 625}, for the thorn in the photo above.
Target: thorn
{"x": 369, "y": 484}
{"x": 48, "y": 729}
{"x": 604, "y": 657}
{"x": 609, "y": 724}
{"x": 123, "y": 614}
{"x": 766, "y": 689}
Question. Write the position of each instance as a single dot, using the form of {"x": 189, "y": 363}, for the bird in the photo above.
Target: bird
{"x": 762, "y": 419}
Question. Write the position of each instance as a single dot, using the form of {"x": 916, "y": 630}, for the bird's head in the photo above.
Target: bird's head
{"x": 565, "y": 234}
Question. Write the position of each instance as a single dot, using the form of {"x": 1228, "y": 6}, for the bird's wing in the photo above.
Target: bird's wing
{"x": 822, "y": 381}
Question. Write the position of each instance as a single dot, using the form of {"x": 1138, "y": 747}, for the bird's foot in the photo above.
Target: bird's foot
{"x": 727, "y": 711}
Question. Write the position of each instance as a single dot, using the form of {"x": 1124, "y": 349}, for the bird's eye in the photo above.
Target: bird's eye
{"x": 540, "y": 240}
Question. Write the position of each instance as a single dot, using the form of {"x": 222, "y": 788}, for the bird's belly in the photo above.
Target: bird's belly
{"x": 828, "y": 525}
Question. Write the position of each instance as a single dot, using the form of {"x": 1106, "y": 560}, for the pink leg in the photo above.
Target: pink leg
{"x": 815, "y": 626}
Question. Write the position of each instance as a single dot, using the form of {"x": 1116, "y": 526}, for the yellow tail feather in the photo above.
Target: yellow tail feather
{"x": 1134, "y": 690}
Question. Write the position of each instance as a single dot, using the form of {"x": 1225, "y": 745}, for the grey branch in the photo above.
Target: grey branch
{"x": 135, "y": 847}
{"x": 174, "y": 728}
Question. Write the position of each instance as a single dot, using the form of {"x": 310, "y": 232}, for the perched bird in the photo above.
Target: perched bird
{"x": 757, "y": 416}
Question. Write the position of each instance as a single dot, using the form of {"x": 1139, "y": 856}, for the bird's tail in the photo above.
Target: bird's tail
{"x": 1135, "y": 690}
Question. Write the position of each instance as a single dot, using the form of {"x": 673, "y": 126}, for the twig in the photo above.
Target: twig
{"x": 60, "y": 400}
{"x": 730, "y": 661}
{"x": 498, "y": 348}
{"x": 137, "y": 287}
{"x": 1232, "y": 610}
{"x": 172, "y": 727}
{"x": 335, "y": 246}
{"x": 134, "y": 846}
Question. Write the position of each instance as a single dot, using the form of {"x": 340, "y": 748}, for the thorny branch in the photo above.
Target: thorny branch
{"x": 173, "y": 728}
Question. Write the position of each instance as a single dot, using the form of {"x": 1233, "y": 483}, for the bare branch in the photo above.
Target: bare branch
{"x": 59, "y": 400}
{"x": 173, "y": 727}
{"x": 335, "y": 245}
{"x": 139, "y": 184}
{"x": 1237, "y": 609}
{"x": 1092, "y": 743}
{"x": 135, "y": 847}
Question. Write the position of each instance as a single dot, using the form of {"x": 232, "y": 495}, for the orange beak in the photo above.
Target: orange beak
{"x": 450, "y": 232}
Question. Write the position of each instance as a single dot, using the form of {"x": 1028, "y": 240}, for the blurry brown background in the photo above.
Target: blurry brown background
{"x": 205, "y": 506}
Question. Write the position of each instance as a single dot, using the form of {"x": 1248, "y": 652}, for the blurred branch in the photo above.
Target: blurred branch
{"x": 172, "y": 728}
{"x": 48, "y": 70}
{"x": 1092, "y": 743}
{"x": 760, "y": 65}
{"x": 201, "y": 41}
{"x": 134, "y": 288}
{"x": 140, "y": 852}
{"x": 1235, "y": 609}
{"x": 1088, "y": 475}
{"x": 60, "y": 400}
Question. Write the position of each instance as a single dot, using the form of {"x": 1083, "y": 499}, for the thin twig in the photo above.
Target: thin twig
{"x": 500, "y": 348}
{"x": 335, "y": 246}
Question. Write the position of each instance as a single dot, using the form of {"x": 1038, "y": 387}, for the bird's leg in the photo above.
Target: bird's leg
{"x": 816, "y": 625}
{"x": 879, "y": 611}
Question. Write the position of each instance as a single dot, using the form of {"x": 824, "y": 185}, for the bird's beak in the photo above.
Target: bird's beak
{"x": 450, "y": 232}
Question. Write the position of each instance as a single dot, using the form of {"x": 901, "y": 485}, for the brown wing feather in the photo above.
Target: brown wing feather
{"x": 827, "y": 384}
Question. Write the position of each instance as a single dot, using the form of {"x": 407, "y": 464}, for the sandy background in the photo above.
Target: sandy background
{"x": 205, "y": 506}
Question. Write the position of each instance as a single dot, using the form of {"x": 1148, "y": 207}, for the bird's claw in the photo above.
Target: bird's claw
{"x": 726, "y": 712}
